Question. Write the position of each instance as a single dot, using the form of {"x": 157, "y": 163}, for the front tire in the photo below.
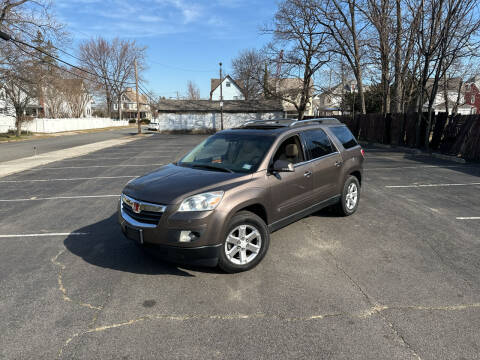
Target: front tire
{"x": 350, "y": 197}
{"x": 246, "y": 243}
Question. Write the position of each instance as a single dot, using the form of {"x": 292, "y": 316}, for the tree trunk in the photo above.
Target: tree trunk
{"x": 18, "y": 122}
{"x": 120, "y": 107}
{"x": 398, "y": 84}
{"x": 360, "y": 91}
{"x": 445, "y": 91}
{"x": 457, "y": 102}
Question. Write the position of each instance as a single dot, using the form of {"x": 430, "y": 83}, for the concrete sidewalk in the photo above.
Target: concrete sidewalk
{"x": 26, "y": 163}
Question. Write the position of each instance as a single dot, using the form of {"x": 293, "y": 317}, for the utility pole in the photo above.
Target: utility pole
{"x": 138, "y": 100}
{"x": 221, "y": 98}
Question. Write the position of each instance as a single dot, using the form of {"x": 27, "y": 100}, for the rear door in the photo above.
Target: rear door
{"x": 290, "y": 192}
{"x": 326, "y": 163}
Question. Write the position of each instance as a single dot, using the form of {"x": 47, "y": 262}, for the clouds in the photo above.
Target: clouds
{"x": 141, "y": 18}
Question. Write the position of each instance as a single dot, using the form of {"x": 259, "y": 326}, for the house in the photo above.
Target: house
{"x": 291, "y": 88}
{"x": 472, "y": 93}
{"x": 129, "y": 105}
{"x": 205, "y": 115}
{"x": 230, "y": 89}
{"x": 454, "y": 96}
{"x": 330, "y": 102}
{"x": 33, "y": 108}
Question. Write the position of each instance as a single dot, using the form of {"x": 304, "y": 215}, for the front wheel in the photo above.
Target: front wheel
{"x": 350, "y": 197}
{"x": 246, "y": 243}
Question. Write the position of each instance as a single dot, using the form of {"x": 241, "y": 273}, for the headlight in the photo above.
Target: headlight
{"x": 202, "y": 202}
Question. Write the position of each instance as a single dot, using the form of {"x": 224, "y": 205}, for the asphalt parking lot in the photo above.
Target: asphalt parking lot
{"x": 398, "y": 280}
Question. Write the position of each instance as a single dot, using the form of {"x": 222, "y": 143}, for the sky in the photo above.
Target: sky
{"x": 185, "y": 39}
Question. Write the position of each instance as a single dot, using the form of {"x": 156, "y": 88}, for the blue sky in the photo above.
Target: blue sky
{"x": 185, "y": 39}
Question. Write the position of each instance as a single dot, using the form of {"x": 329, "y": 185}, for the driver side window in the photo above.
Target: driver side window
{"x": 290, "y": 150}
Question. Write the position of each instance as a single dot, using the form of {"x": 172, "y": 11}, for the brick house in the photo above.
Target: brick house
{"x": 472, "y": 92}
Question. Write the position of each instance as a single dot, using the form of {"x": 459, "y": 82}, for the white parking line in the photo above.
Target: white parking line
{"x": 71, "y": 179}
{"x": 61, "y": 198}
{"x": 429, "y": 185}
{"x": 418, "y": 167}
{"x": 43, "y": 235}
{"x": 118, "y": 158}
{"x": 92, "y": 166}
{"x": 469, "y": 218}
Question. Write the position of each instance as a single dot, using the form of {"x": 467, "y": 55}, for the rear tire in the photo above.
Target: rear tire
{"x": 245, "y": 243}
{"x": 350, "y": 197}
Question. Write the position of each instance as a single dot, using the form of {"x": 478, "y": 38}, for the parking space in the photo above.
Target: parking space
{"x": 398, "y": 280}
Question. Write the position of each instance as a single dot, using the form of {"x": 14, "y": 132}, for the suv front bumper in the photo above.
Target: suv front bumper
{"x": 162, "y": 240}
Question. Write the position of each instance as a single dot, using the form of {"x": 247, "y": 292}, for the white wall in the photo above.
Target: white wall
{"x": 59, "y": 125}
{"x": 229, "y": 93}
{"x": 209, "y": 121}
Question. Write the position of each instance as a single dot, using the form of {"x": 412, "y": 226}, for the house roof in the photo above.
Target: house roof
{"x": 215, "y": 83}
{"x": 232, "y": 106}
{"x": 131, "y": 95}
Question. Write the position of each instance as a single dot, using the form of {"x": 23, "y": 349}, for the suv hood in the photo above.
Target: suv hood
{"x": 171, "y": 184}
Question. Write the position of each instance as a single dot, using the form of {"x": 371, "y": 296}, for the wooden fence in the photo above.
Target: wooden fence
{"x": 458, "y": 135}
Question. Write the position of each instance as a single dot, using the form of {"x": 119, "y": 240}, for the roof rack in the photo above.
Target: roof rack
{"x": 290, "y": 122}
{"x": 323, "y": 121}
{"x": 271, "y": 122}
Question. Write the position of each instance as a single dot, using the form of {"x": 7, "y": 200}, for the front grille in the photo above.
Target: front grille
{"x": 148, "y": 217}
{"x": 147, "y": 213}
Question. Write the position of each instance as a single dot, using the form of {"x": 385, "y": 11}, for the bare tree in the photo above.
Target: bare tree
{"x": 341, "y": 21}
{"x": 21, "y": 70}
{"x": 20, "y": 90}
{"x": 447, "y": 33}
{"x": 247, "y": 68}
{"x": 298, "y": 51}
{"x": 113, "y": 63}
{"x": 193, "y": 92}
{"x": 379, "y": 14}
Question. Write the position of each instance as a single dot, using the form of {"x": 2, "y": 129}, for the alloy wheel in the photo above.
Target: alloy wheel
{"x": 243, "y": 244}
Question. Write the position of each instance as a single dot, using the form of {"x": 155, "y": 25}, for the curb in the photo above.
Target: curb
{"x": 417, "y": 152}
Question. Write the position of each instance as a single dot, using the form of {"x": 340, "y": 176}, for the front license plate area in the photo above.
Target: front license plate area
{"x": 134, "y": 234}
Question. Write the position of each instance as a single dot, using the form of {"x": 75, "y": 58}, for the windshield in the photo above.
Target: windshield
{"x": 229, "y": 152}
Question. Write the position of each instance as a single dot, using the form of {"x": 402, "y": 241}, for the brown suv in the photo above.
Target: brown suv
{"x": 219, "y": 203}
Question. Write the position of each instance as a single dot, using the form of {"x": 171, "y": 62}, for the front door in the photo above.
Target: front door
{"x": 290, "y": 192}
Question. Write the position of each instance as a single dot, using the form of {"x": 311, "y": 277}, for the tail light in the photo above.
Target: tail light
{"x": 362, "y": 152}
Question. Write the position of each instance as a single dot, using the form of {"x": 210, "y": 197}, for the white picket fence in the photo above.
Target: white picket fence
{"x": 59, "y": 125}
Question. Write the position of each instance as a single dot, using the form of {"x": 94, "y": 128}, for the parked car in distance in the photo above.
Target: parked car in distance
{"x": 220, "y": 202}
{"x": 153, "y": 126}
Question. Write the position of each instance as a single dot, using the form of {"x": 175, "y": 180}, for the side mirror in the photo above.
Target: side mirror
{"x": 283, "y": 166}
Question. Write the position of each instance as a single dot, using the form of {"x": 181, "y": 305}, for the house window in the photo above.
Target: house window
{"x": 467, "y": 87}
{"x": 472, "y": 99}
{"x": 227, "y": 84}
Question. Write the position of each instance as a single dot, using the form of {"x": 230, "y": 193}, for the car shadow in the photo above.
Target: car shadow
{"x": 104, "y": 245}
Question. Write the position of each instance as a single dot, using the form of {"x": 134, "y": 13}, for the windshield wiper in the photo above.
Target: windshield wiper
{"x": 206, "y": 166}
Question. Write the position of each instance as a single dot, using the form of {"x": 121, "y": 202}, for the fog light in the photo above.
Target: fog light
{"x": 188, "y": 236}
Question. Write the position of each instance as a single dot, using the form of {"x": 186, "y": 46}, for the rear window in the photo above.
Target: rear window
{"x": 318, "y": 143}
{"x": 344, "y": 135}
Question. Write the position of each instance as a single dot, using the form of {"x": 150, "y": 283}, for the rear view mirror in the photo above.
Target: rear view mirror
{"x": 283, "y": 166}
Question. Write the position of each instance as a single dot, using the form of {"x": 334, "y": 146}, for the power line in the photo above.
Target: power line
{"x": 56, "y": 66}
{"x": 7, "y": 37}
{"x": 33, "y": 38}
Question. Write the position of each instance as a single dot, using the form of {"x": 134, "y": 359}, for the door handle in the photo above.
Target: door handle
{"x": 307, "y": 174}
{"x": 338, "y": 163}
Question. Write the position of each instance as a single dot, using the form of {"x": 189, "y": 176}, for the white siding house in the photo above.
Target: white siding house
{"x": 230, "y": 89}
